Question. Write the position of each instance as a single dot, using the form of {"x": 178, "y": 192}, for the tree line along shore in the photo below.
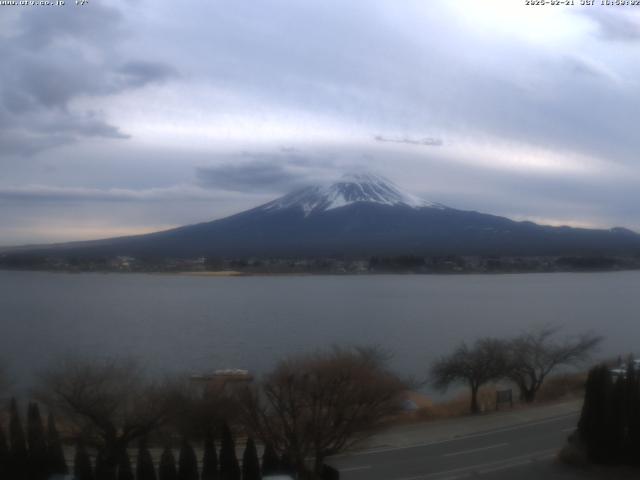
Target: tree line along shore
{"x": 432, "y": 264}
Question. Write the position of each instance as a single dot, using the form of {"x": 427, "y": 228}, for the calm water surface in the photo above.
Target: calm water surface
{"x": 195, "y": 324}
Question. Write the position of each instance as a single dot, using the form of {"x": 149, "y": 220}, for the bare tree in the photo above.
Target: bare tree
{"x": 536, "y": 353}
{"x": 196, "y": 409}
{"x": 109, "y": 402}
{"x": 483, "y": 362}
{"x": 316, "y": 405}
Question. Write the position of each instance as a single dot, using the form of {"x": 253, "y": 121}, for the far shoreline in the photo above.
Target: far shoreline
{"x": 236, "y": 273}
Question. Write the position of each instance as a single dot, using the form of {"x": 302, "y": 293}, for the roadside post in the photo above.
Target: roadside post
{"x": 504, "y": 396}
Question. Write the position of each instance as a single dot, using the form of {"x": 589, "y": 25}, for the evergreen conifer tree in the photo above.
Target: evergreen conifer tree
{"x": 229, "y": 468}
{"x": 104, "y": 468}
{"x": 125, "y": 472}
{"x": 4, "y": 455}
{"x": 82, "y": 469}
{"x": 144, "y": 466}
{"x": 19, "y": 455}
{"x": 616, "y": 424}
{"x": 209, "y": 459}
{"x": 57, "y": 465}
{"x": 187, "y": 462}
{"x": 37, "y": 454}
{"x": 286, "y": 464}
{"x": 610, "y": 421}
{"x": 167, "y": 469}
{"x": 632, "y": 450}
{"x": 329, "y": 473}
{"x": 250, "y": 462}
{"x": 100, "y": 468}
{"x": 592, "y": 426}
{"x": 270, "y": 461}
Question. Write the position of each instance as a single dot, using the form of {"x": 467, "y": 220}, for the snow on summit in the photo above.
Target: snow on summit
{"x": 352, "y": 188}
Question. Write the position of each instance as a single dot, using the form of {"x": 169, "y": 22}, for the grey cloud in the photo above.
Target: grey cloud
{"x": 275, "y": 172}
{"x": 615, "y": 25}
{"x": 139, "y": 73}
{"x": 293, "y": 157}
{"x": 53, "y": 81}
{"x": 255, "y": 176}
{"x": 433, "y": 80}
{"x": 599, "y": 201}
{"x": 47, "y": 193}
{"x": 84, "y": 56}
{"x": 94, "y": 25}
{"x": 582, "y": 66}
{"x": 51, "y": 130}
{"x": 426, "y": 141}
{"x": 286, "y": 149}
{"x": 90, "y": 124}
{"x": 26, "y": 143}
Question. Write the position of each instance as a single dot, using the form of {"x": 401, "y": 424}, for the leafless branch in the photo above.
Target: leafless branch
{"x": 316, "y": 405}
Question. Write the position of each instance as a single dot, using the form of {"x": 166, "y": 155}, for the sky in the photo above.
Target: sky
{"x": 124, "y": 117}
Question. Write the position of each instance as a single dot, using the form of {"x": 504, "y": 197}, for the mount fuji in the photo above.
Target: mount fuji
{"x": 358, "y": 216}
{"x": 350, "y": 189}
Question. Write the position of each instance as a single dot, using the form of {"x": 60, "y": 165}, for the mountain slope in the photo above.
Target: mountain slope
{"x": 360, "y": 215}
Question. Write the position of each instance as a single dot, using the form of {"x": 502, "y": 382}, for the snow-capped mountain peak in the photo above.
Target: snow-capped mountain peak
{"x": 352, "y": 188}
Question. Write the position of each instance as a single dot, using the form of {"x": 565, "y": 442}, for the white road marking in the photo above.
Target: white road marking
{"x": 496, "y": 465}
{"x": 516, "y": 464}
{"x": 457, "y": 439}
{"x": 522, "y": 418}
{"x": 473, "y": 450}
{"x": 353, "y": 469}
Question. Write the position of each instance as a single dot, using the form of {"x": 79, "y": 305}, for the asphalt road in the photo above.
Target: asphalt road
{"x": 524, "y": 451}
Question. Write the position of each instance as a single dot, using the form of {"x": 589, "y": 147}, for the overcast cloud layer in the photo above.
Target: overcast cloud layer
{"x": 126, "y": 117}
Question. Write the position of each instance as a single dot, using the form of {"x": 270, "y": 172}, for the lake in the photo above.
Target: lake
{"x": 197, "y": 324}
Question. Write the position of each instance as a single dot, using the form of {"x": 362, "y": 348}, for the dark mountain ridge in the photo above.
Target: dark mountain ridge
{"x": 358, "y": 216}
